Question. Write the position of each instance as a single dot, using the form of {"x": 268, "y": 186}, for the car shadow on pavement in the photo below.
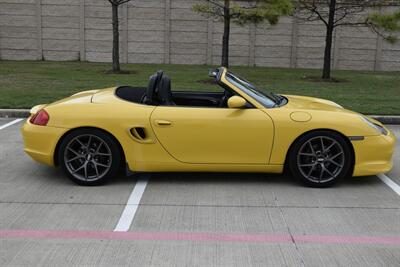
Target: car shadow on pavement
{"x": 51, "y": 175}
{"x": 359, "y": 181}
{"x": 55, "y": 176}
{"x": 218, "y": 178}
{"x": 250, "y": 178}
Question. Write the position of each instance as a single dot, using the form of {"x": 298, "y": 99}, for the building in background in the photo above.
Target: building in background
{"x": 168, "y": 31}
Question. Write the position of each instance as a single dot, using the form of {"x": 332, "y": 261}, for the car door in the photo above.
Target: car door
{"x": 214, "y": 135}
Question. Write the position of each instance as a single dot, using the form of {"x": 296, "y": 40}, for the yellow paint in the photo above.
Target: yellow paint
{"x": 215, "y": 135}
{"x": 300, "y": 116}
{"x": 207, "y": 139}
{"x": 236, "y": 102}
{"x": 35, "y": 109}
{"x": 40, "y": 142}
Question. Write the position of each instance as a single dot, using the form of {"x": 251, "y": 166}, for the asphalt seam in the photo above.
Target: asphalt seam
{"x": 299, "y": 254}
{"x": 202, "y": 237}
{"x": 205, "y": 206}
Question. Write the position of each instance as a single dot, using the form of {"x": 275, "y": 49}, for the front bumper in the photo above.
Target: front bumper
{"x": 373, "y": 155}
{"x": 40, "y": 141}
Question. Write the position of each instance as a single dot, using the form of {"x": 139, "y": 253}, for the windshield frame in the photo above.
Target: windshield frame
{"x": 266, "y": 99}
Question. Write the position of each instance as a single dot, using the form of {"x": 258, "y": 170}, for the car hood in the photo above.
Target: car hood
{"x": 312, "y": 103}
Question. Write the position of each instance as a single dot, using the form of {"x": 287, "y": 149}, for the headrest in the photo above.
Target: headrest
{"x": 152, "y": 87}
{"x": 164, "y": 93}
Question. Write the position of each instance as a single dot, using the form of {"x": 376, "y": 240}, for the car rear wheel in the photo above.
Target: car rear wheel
{"x": 89, "y": 156}
{"x": 320, "y": 159}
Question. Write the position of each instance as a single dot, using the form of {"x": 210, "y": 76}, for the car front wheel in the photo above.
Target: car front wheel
{"x": 320, "y": 158}
{"x": 89, "y": 156}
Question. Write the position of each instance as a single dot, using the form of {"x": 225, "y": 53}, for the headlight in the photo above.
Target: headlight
{"x": 377, "y": 127}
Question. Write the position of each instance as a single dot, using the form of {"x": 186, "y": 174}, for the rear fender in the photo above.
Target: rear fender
{"x": 36, "y": 108}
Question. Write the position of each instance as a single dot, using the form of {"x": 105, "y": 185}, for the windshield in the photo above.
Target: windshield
{"x": 268, "y": 100}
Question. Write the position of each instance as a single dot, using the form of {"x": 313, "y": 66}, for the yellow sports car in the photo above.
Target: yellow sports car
{"x": 93, "y": 134}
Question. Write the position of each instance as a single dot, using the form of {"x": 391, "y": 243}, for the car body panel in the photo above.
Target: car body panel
{"x": 256, "y": 139}
{"x": 374, "y": 154}
{"x": 214, "y": 135}
{"x": 287, "y": 130}
{"x": 40, "y": 142}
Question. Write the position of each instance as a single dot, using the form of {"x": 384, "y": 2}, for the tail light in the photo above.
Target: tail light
{"x": 40, "y": 118}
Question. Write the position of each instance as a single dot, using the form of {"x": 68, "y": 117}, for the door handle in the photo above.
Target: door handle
{"x": 163, "y": 123}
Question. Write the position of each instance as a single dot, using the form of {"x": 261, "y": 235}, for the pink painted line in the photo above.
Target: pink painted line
{"x": 171, "y": 236}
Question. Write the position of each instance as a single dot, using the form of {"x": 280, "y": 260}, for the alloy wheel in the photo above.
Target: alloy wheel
{"x": 87, "y": 157}
{"x": 321, "y": 159}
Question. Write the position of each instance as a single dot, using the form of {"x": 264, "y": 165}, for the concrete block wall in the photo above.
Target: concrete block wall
{"x": 60, "y": 37}
{"x": 167, "y": 31}
{"x": 146, "y": 29}
{"x": 19, "y": 30}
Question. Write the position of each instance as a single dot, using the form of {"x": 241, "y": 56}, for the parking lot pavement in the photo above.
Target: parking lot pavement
{"x": 192, "y": 219}
{"x": 6, "y": 121}
{"x": 395, "y": 173}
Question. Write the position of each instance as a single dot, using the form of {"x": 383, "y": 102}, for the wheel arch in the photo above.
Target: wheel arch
{"x": 345, "y": 138}
{"x": 120, "y": 148}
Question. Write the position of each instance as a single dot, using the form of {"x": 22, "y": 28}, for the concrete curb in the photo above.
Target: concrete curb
{"x": 390, "y": 120}
{"x": 24, "y": 113}
{"x": 14, "y": 113}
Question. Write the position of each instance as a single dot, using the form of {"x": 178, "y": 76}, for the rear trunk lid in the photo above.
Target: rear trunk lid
{"x": 106, "y": 95}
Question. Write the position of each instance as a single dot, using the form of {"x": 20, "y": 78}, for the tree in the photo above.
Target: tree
{"x": 335, "y": 13}
{"x": 385, "y": 24}
{"x": 242, "y": 12}
{"x": 116, "y": 68}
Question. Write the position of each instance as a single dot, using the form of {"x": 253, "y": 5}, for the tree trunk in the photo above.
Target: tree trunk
{"x": 225, "y": 38}
{"x": 115, "y": 54}
{"x": 326, "y": 73}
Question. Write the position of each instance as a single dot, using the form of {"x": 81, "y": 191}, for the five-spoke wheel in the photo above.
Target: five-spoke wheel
{"x": 89, "y": 156}
{"x": 320, "y": 158}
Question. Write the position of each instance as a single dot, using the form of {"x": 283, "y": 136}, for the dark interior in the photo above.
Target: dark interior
{"x": 159, "y": 93}
{"x": 131, "y": 94}
{"x": 202, "y": 99}
{"x": 180, "y": 98}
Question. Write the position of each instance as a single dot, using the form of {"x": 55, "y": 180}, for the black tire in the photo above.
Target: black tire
{"x": 317, "y": 167}
{"x": 93, "y": 165}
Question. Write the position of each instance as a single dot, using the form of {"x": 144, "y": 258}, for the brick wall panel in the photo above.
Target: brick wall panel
{"x": 17, "y": 9}
{"x": 187, "y": 38}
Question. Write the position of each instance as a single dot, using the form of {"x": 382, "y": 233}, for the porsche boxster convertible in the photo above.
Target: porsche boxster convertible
{"x": 92, "y": 135}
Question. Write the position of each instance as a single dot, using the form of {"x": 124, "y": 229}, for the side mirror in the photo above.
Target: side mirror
{"x": 236, "y": 102}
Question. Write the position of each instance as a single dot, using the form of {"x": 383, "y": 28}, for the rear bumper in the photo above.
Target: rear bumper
{"x": 373, "y": 155}
{"x": 40, "y": 141}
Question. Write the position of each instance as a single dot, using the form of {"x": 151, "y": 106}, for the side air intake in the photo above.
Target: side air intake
{"x": 138, "y": 133}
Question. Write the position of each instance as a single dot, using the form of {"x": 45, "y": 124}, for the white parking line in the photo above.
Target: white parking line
{"x": 395, "y": 187}
{"x": 129, "y": 212}
{"x": 10, "y": 123}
